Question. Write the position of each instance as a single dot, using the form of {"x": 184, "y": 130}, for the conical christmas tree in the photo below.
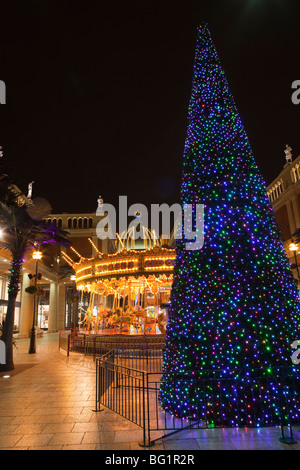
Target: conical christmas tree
{"x": 234, "y": 309}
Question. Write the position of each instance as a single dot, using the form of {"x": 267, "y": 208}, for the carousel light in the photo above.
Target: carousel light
{"x": 76, "y": 252}
{"x": 82, "y": 269}
{"x": 67, "y": 261}
{"x": 101, "y": 276}
{"x": 93, "y": 245}
{"x": 64, "y": 254}
{"x": 83, "y": 277}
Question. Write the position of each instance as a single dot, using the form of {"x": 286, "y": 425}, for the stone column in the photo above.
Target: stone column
{"x": 52, "y": 321}
{"x": 291, "y": 217}
{"x": 296, "y": 212}
{"x": 61, "y": 307}
{"x": 26, "y": 311}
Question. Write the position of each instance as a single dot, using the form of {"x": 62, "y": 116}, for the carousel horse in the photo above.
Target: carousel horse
{"x": 88, "y": 318}
{"x": 129, "y": 310}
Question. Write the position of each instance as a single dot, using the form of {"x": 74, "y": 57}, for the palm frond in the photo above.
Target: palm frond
{"x": 5, "y": 246}
{"x": 296, "y": 236}
{"x": 22, "y": 232}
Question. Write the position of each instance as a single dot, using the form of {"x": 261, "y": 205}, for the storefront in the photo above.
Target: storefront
{"x": 43, "y": 307}
{"x": 4, "y": 300}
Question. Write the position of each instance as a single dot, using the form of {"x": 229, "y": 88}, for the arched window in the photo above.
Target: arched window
{"x": 69, "y": 223}
{"x": 85, "y": 222}
{"x": 91, "y": 223}
{"x": 80, "y": 222}
{"x": 74, "y": 223}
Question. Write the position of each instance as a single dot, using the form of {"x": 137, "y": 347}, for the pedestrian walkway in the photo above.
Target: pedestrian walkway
{"x": 47, "y": 403}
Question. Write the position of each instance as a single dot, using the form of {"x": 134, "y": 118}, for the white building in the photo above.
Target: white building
{"x": 284, "y": 195}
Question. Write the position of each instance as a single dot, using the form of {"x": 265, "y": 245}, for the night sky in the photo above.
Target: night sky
{"x": 98, "y": 91}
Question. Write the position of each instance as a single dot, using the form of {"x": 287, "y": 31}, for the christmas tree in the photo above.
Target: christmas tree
{"x": 234, "y": 309}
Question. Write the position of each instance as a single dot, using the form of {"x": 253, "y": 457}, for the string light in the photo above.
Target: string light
{"x": 67, "y": 259}
{"x": 75, "y": 251}
{"x": 93, "y": 245}
{"x": 123, "y": 262}
{"x": 234, "y": 305}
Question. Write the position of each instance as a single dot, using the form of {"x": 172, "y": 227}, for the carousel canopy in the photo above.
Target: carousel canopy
{"x": 138, "y": 268}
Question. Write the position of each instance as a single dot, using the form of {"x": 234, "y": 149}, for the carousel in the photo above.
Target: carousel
{"x": 127, "y": 290}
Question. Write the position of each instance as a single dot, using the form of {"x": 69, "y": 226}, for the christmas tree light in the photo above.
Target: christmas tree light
{"x": 234, "y": 309}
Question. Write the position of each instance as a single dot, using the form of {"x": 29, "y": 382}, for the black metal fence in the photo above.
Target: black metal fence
{"x": 129, "y": 381}
{"x": 98, "y": 345}
{"x": 65, "y": 340}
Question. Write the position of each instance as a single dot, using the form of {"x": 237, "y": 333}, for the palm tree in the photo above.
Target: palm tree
{"x": 23, "y": 228}
{"x": 296, "y": 236}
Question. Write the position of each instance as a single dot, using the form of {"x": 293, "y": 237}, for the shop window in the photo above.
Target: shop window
{"x": 43, "y": 306}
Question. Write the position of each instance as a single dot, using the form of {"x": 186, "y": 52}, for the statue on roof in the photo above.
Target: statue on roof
{"x": 288, "y": 153}
{"x": 29, "y": 195}
{"x": 100, "y": 202}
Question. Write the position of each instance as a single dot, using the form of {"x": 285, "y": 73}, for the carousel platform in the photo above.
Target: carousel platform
{"x": 131, "y": 331}
{"x": 122, "y": 297}
{"x": 97, "y": 344}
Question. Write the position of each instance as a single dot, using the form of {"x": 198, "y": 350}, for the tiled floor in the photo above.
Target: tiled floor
{"x": 48, "y": 402}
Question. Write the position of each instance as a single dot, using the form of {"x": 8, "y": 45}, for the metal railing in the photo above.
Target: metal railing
{"x": 98, "y": 345}
{"x": 64, "y": 341}
{"x": 129, "y": 382}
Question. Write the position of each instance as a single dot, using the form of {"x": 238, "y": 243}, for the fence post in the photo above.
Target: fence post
{"x": 116, "y": 367}
{"x": 96, "y": 392}
{"x": 146, "y": 442}
{"x": 285, "y": 409}
{"x": 97, "y": 407}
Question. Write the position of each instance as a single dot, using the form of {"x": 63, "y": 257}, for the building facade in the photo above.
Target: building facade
{"x": 284, "y": 196}
{"x": 55, "y": 284}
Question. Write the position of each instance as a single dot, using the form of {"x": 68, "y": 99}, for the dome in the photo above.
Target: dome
{"x": 140, "y": 239}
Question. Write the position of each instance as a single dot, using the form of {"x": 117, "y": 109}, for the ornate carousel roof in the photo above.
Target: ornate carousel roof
{"x": 141, "y": 267}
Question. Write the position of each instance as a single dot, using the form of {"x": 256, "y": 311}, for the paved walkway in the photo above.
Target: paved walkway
{"x": 47, "y": 404}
